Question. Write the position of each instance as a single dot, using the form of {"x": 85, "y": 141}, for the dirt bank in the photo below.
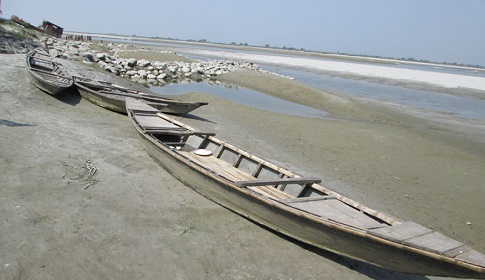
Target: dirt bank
{"x": 81, "y": 199}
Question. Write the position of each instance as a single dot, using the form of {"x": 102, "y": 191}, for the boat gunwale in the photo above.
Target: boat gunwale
{"x": 362, "y": 233}
{"x": 36, "y": 73}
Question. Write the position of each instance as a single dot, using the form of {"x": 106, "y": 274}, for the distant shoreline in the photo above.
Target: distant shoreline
{"x": 281, "y": 51}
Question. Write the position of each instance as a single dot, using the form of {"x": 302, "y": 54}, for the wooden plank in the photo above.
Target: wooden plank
{"x": 269, "y": 191}
{"x": 305, "y": 199}
{"x": 136, "y": 105}
{"x": 434, "y": 242}
{"x": 284, "y": 181}
{"x": 217, "y": 166}
{"x": 164, "y": 129}
{"x": 187, "y": 132}
{"x": 226, "y": 170}
{"x": 400, "y": 232}
{"x": 457, "y": 251}
{"x": 154, "y": 122}
{"x": 337, "y": 211}
{"x": 473, "y": 257}
{"x": 174, "y": 143}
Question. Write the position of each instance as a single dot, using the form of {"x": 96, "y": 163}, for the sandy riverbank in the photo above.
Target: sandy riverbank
{"x": 133, "y": 220}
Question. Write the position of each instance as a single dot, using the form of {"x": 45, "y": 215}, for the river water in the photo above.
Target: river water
{"x": 461, "y": 107}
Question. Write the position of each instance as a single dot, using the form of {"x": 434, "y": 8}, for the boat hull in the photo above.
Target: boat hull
{"x": 50, "y": 77}
{"x": 45, "y": 86}
{"x": 351, "y": 243}
{"x": 102, "y": 100}
{"x": 116, "y": 103}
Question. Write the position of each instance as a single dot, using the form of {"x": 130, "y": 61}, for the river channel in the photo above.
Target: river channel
{"x": 438, "y": 102}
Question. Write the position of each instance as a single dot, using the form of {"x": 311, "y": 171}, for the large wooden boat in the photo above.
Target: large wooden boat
{"x": 48, "y": 75}
{"x": 112, "y": 97}
{"x": 299, "y": 207}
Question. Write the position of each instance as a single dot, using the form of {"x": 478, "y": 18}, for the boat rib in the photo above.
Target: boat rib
{"x": 302, "y": 208}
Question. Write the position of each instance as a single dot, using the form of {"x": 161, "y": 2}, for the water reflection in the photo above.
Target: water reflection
{"x": 242, "y": 96}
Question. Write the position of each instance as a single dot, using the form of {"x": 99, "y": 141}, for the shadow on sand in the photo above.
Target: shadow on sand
{"x": 70, "y": 96}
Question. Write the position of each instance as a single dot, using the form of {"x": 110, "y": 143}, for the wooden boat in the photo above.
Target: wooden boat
{"x": 48, "y": 75}
{"x": 296, "y": 206}
{"x": 112, "y": 97}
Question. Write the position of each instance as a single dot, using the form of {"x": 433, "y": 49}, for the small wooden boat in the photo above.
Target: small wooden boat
{"x": 296, "y": 206}
{"x": 112, "y": 97}
{"x": 48, "y": 75}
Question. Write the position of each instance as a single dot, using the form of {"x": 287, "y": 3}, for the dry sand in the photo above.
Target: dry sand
{"x": 446, "y": 80}
{"x": 132, "y": 220}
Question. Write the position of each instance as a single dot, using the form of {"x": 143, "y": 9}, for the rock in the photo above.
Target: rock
{"x": 172, "y": 68}
{"x": 100, "y": 56}
{"x": 142, "y": 73}
{"x": 143, "y": 63}
{"x": 131, "y": 62}
{"x": 87, "y": 57}
{"x": 55, "y": 53}
{"x": 161, "y": 76}
{"x": 102, "y": 64}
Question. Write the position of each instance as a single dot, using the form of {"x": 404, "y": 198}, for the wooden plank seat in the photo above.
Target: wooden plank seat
{"x": 275, "y": 182}
{"x": 180, "y": 132}
{"x": 268, "y": 187}
{"x": 270, "y": 191}
{"x": 153, "y": 122}
{"x": 228, "y": 171}
{"x": 142, "y": 107}
{"x": 308, "y": 198}
{"x": 216, "y": 165}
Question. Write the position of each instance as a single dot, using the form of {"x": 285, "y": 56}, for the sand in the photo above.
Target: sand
{"x": 365, "y": 70}
{"x": 132, "y": 220}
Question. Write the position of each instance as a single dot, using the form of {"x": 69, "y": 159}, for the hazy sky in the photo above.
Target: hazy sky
{"x": 434, "y": 30}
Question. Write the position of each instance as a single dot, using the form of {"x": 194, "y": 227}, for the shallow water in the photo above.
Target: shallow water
{"x": 462, "y": 107}
{"x": 434, "y": 101}
{"x": 242, "y": 96}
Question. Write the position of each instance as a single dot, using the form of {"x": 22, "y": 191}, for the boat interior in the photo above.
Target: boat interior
{"x": 203, "y": 151}
{"x": 246, "y": 170}
{"x": 43, "y": 66}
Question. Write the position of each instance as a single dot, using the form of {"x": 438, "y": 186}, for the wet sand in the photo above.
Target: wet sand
{"x": 131, "y": 219}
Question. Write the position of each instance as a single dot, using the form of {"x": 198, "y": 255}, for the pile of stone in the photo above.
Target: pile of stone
{"x": 153, "y": 72}
{"x": 169, "y": 71}
{"x": 17, "y": 40}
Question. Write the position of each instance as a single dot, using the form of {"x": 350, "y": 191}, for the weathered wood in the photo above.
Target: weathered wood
{"x": 326, "y": 219}
{"x": 472, "y": 257}
{"x": 182, "y": 132}
{"x": 337, "y": 211}
{"x": 174, "y": 143}
{"x": 305, "y": 199}
{"x": 457, "y": 251}
{"x": 140, "y": 106}
{"x": 154, "y": 122}
{"x": 270, "y": 192}
{"x": 400, "y": 232}
{"x": 53, "y": 79}
{"x": 434, "y": 242}
{"x": 281, "y": 181}
{"x": 114, "y": 98}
